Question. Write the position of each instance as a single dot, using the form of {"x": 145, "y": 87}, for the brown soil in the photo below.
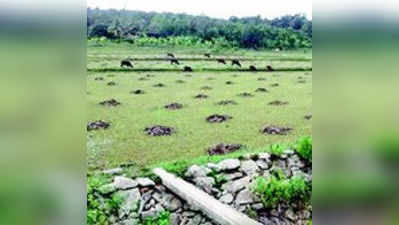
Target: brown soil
{"x": 180, "y": 81}
{"x": 110, "y": 103}
{"x": 137, "y": 92}
{"x": 216, "y": 118}
{"x": 226, "y": 102}
{"x": 99, "y": 78}
{"x": 206, "y": 88}
{"x": 245, "y": 94}
{"x": 158, "y": 130}
{"x": 274, "y": 85}
{"x": 278, "y": 102}
{"x": 261, "y": 90}
{"x": 111, "y": 83}
{"x": 229, "y": 82}
{"x": 96, "y": 125}
{"x": 173, "y": 106}
{"x": 221, "y": 149}
{"x": 275, "y": 130}
{"x": 159, "y": 85}
{"x": 262, "y": 78}
{"x": 201, "y": 96}
{"x": 308, "y": 116}
{"x": 142, "y": 79}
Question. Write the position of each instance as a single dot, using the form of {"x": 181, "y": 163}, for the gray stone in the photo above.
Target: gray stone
{"x": 123, "y": 183}
{"x": 197, "y": 171}
{"x": 174, "y": 219}
{"x": 129, "y": 222}
{"x": 113, "y": 171}
{"x": 229, "y": 164}
{"x": 237, "y": 185}
{"x": 295, "y": 161}
{"x": 264, "y": 156}
{"x": 262, "y": 164}
{"x": 289, "y": 214}
{"x": 131, "y": 199}
{"x": 249, "y": 167}
{"x": 244, "y": 197}
{"x": 171, "y": 203}
{"x": 188, "y": 214}
{"x": 195, "y": 221}
{"x": 227, "y": 198}
{"x": 214, "y": 167}
{"x": 145, "y": 182}
{"x": 154, "y": 212}
{"x": 257, "y": 206}
{"x": 205, "y": 183}
{"x": 107, "y": 188}
{"x": 233, "y": 176}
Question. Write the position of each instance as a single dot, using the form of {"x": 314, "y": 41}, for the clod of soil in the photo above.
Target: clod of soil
{"x": 216, "y": 118}
{"x": 173, "y": 106}
{"x": 274, "y": 85}
{"x": 229, "y": 82}
{"x": 99, "y": 78}
{"x": 308, "y": 116}
{"x": 202, "y": 96}
{"x": 261, "y": 90}
{"x": 111, "y": 83}
{"x": 110, "y": 103}
{"x": 159, "y": 85}
{"x": 180, "y": 81}
{"x": 226, "y": 102}
{"x": 221, "y": 149}
{"x": 96, "y": 125}
{"x": 142, "y": 78}
{"x": 159, "y": 130}
{"x": 275, "y": 130}
{"x": 246, "y": 94}
{"x": 206, "y": 88}
{"x": 137, "y": 92}
{"x": 278, "y": 102}
{"x": 261, "y": 79}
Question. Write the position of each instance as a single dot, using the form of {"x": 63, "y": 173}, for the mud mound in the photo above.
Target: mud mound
{"x": 278, "y": 102}
{"x": 173, "y": 106}
{"x": 226, "y": 102}
{"x": 221, "y": 149}
{"x": 245, "y": 94}
{"x": 111, "y": 83}
{"x": 218, "y": 118}
{"x": 206, "y": 88}
{"x": 180, "y": 81}
{"x": 308, "y": 116}
{"x": 143, "y": 78}
{"x": 261, "y": 79}
{"x": 201, "y": 96}
{"x": 274, "y": 85}
{"x": 261, "y": 90}
{"x": 96, "y": 125}
{"x": 110, "y": 103}
{"x": 275, "y": 130}
{"x": 99, "y": 78}
{"x": 137, "y": 92}
{"x": 229, "y": 82}
{"x": 158, "y": 130}
{"x": 159, "y": 85}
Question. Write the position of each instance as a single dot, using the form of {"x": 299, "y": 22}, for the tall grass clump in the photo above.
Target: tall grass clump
{"x": 304, "y": 148}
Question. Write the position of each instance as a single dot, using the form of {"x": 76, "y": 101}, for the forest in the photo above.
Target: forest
{"x": 152, "y": 28}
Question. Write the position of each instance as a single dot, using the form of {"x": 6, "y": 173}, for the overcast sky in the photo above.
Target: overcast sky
{"x": 213, "y": 8}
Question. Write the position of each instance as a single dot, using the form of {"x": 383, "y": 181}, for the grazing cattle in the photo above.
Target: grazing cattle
{"x": 207, "y": 55}
{"x": 174, "y": 61}
{"x": 188, "y": 69}
{"x": 235, "y": 62}
{"x": 221, "y": 61}
{"x": 126, "y": 63}
{"x": 252, "y": 68}
{"x": 269, "y": 68}
{"x": 171, "y": 55}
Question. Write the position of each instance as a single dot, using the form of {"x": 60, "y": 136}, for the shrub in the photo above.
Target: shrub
{"x": 304, "y": 148}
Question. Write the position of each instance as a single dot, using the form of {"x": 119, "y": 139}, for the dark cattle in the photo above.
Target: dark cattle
{"x": 170, "y": 55}
{"x": 269, "y": 68}
{"x": 235, "y": 62}
{"x": 207, "y": 55}
{"x": 174, "y": 61}
{"x": 188, "y": 69}
{"x": 252, "y": 68}
{"x": 221, "y": 61}
{"x": 126, "y": 63}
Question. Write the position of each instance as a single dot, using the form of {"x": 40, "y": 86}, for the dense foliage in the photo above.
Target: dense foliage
{"x": 304, "y": 148}
{"x": 144, "y": 28}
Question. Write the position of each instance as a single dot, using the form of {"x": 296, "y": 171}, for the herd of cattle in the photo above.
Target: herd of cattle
{"x": 174, "y": 60}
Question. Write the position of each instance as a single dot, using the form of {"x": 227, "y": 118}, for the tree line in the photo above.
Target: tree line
{"x": 286, "y": 32}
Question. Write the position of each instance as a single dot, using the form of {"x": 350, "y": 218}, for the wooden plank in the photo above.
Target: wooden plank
{"x": 214, "y": 209}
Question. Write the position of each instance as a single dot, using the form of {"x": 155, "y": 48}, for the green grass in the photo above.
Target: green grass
{"x": 126, "y": 143}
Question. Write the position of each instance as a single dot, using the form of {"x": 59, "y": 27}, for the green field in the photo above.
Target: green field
{"x": 126, "y": 142}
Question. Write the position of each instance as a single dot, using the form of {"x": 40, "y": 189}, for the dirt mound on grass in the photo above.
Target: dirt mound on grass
{"x": 229, "y": 82}
{"x": 137, "y": 92}
{"x": 159, "y": 85}
{"x": 110, "y": 103}
{"x": 216, "y": 118}
{"x": 274, "y": 85}
{"x": 180, "y": 81}
{"x": 173, "y": 106}
{"x": 159, "y": 130}
{"x": 210, "y": 78}
{"x": 245, "y": 94}
{"x": 275, "y": 130}
{"x": 99, "y": 78}
{"x": 308, "y": 116}
{"x": 111, "y": 83}
{"x": 226, "y": 102}
{"x": 278, "y": 102}
{"x": 261, "y": 90}
{"x": 143, "y": 78}
{"x": 96, "y": 125}
{"x": 221, "y": 149}
{"x": 261, "y": 79}
{"x": 201, "y": 96}
{"x": 206, "y": 88}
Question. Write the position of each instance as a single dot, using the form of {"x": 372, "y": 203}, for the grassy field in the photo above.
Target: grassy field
{"x": 126, "y": 142}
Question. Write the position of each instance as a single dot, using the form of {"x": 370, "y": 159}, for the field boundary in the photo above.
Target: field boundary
{"x": 205, "y": 59}
{"x": 286, "y": 69}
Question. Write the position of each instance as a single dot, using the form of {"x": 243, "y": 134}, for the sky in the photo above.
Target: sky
{"x": 213, "y": 8}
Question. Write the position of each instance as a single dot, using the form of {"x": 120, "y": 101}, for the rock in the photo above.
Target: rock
{"x": 227, "y": 198}
{"x": 249, "y": 167}
{"x": 145, "y": 182}
{"x": 195, "y": 221}
{"x": 257, "y": 206}
{"x": 244, "y": 197}
{"x": 154, "y": 212}
{"x": 171, "y": 203}
{"x": 131, "y": 199}
{"x": 262, "y": 164}
{"x": 289, "y": 214}
{"x": 233, "y": 176}
{"x": 107, "y": 188}
{"x": 214, "y": 167}
{"x": 205, "y": 183}
{"x": 264, "y": 156}
{"x": 304, "y": 214}
{"x": 123, "y": 183}
{"x": 188, "y": 214}
{"x": 229, "y": 164}
{"x": 174, "y": 219}
{"x": 130, "y": 222}
{"x": 295, "y": 161}
{"x": 237, "y": 185}
{"x": 113, "y": 171}
{"x": 197, "y": 171}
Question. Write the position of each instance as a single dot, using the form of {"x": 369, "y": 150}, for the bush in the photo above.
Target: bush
{"x": 274, "y": 190}
{"x": 304, "y": 148}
